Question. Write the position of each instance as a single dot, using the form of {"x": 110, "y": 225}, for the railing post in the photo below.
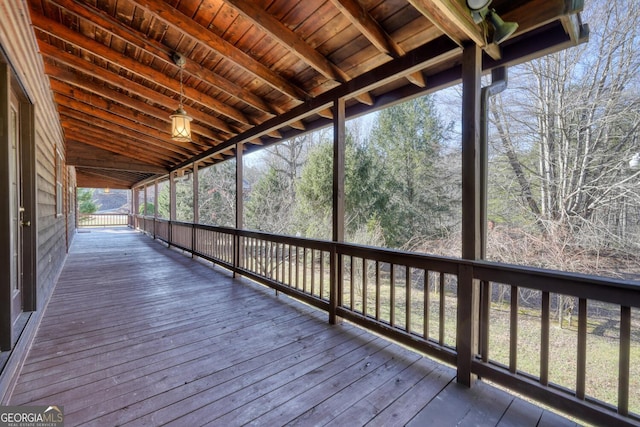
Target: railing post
{"x": 237, "y": 254}
{"x": 155, "y": 209}
{"x": 335, "y": 288}
{"x": 193, "y": 240}
{"x": 467, "y": 332}
{"x": 172, "y": 204}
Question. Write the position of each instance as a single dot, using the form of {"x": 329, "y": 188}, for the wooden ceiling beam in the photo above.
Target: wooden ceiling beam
{"x": 108, "y": 134}
{"x": 161, "y": 52}
{"x": 288, "y": 39}
{"x": 535, "y": 14}
{"x": 114, "y": 79}
{"x": 207, "y": 38}
{"x": 119, "y": 128}
{"x": 434, "y": 52}
{"x": 298, "y": 124}
{"x": 133, "y": 66}
{"x": 84, "y": 162}
{"x": 124, "y": 118}
{"x": 100, "y": 180}
{"x": 80, "y": 134}
{"x": 82, "y": 155}
{"x": 453, "y": 18}
{"x": 369, "y": 27}
{"x": 373, "y": 31}
{"x": 71, "y": 85}
{"x": 417, "y": 79}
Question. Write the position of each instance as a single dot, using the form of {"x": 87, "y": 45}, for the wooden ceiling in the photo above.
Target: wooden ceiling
{"x": 257, "y": 71}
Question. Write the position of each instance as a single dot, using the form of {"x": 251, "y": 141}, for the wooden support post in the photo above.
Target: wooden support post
{"x": 172, "y": 204}
{"x": 196, "y": 209}
{"x": 237, "y": 261}
{"x": 339, "y": 137}
{"x": 144, "y": 210}
{"x": 468, "y": 287}
{"x": 132, "y": 205}
{"x": 196, "y": 198}
{"x": 155, "y": 209}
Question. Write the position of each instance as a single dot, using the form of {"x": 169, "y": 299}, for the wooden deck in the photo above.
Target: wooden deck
{"x": 138, "y": 334}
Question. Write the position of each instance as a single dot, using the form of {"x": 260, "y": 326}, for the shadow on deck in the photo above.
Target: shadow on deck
{"x": 138, "y": 334}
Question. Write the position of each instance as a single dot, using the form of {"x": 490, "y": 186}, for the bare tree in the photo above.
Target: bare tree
{"x": 566, "y": 130}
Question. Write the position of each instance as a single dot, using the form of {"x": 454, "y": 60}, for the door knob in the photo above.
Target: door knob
{"x": 26, "y": 223}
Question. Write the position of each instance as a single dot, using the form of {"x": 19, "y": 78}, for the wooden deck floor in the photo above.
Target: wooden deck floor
{"x": 138, "y": 334}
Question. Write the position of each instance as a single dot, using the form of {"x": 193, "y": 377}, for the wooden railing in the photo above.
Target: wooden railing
{"x": 102, "y": 220}
{"x": 580, "y": 303}
{"x": 426, "y": 302}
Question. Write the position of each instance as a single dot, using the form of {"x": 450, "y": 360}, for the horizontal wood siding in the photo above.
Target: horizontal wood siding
{"x": 18, "y": 45}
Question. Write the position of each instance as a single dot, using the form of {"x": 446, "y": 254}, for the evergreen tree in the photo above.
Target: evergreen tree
{"x": 407, "y": 140}
{"x": 86, "y": 204}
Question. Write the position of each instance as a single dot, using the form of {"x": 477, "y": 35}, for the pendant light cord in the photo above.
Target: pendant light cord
{"x": 181, "y": 88}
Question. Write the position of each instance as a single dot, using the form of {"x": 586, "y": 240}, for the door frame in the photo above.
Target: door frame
{"x": 9, "y": 84}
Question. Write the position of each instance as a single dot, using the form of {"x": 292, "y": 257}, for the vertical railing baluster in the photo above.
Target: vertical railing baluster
{"x": 377, "y": 290}
{"x": 442, "y": 309}
{"x": 283, "y": 263}
{"x": 392, "y": 294}
{"x": 313, "y": 271}
{"x": 513, "y": 331}
{"x": 351, "y": 283}
{"x": 426, "y": 301}
{"x": 485, "y": 315}
{"x": 304, "y": 269}
{"x": 276, "y": 261}
{"x": 321, "y": 284}
{"x": 263, "y": 256}
{"x": 290, "y": 265}
{"x": 545, "y": 324}
{"x": 582, "y": 349}
{"x": 270, "y": 260}
{"x": 624, "y": 361}
{"x": 254, "y": 247}
{"x": 364, "y": 286}
{"x": 297, "y": 283}
{"x": 407, "y": 302}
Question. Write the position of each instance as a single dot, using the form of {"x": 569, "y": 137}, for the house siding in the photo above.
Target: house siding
{"x": 54, "y": 232}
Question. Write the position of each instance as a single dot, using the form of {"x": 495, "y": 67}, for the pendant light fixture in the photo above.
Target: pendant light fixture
{"x": 180, "y": 121}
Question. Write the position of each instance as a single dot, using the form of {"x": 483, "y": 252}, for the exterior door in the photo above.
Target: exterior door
{"x": 16, "y": 210}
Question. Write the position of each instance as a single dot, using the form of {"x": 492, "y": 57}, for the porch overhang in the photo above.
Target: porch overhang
{"x": 255, "y": 73}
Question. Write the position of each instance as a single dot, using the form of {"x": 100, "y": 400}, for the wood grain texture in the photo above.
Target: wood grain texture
{"x": 138, "y": 334}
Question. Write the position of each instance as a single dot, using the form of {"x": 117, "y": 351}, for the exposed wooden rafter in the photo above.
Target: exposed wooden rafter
{"x": 163, "y": 53}
{"x": 179, "y": 21}
{"x": 255, "y": 72}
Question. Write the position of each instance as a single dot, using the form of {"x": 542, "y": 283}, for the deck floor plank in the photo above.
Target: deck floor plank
{"x": 458, "y": 405}
{"x": 138, "y": 334}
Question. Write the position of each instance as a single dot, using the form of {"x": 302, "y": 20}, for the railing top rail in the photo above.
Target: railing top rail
{"x": 618, "y": 291}
{"x": 412, "y": 259}
{"x": 290, "y": 240}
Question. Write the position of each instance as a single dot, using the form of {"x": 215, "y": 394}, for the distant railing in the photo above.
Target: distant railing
{"x": 102, "y": 220}
{"x": 442, "y": 306}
